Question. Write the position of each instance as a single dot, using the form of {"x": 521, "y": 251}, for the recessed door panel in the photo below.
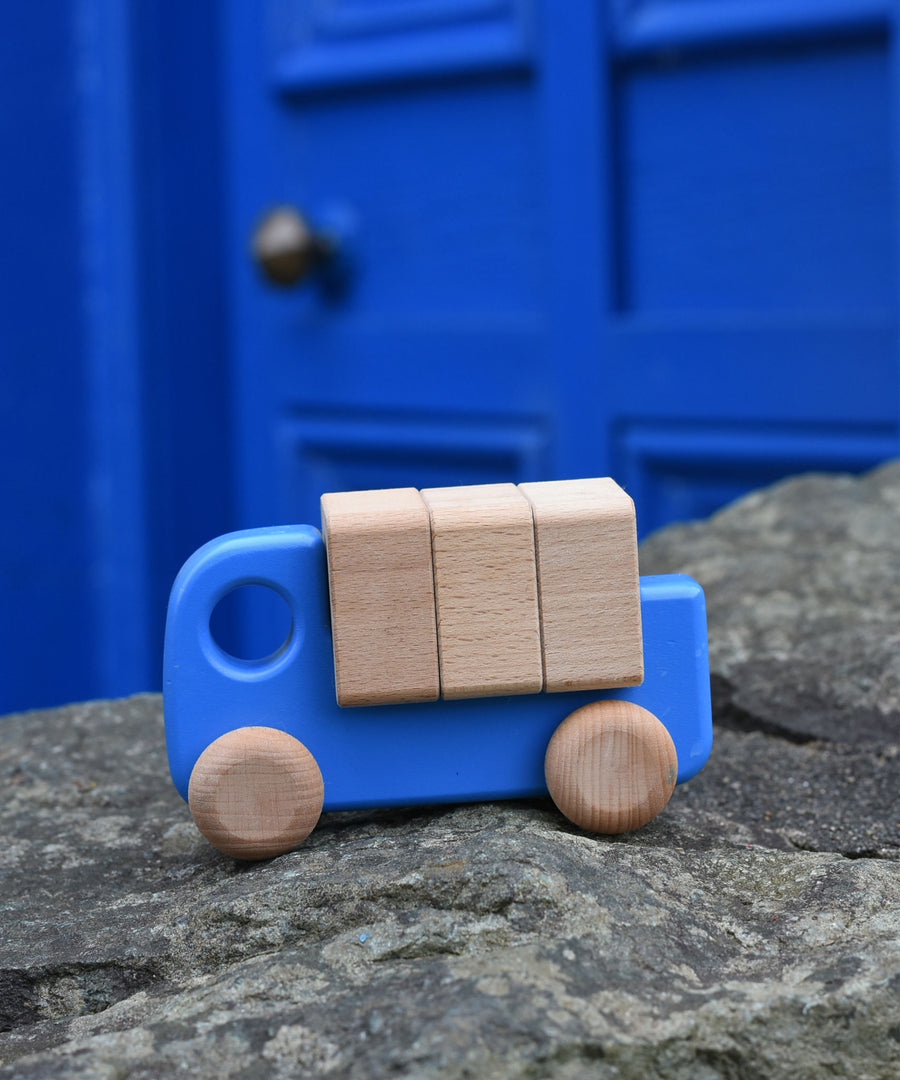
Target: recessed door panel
{"x": 723, "y": 242}
{"x": 408, "y": 134}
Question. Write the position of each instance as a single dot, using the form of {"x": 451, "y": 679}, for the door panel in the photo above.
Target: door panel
{"x": 316, "y": 48}
{"x": 758, "y": 181}
{"x": 677, "y": 474}
{"x": 343, "y": 451}
{"x": 731, "y": 187}
{"x": 409, "y": 131}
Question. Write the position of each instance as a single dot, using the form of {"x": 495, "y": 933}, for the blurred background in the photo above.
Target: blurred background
{"x": 256, "y": 251}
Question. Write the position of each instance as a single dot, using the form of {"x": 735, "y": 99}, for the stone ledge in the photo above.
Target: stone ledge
{"x": 750, "y": 930}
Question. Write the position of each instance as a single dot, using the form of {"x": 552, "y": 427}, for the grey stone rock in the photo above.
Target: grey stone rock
{"x": 751, "y": 931}
{"x": 803, "y": 587}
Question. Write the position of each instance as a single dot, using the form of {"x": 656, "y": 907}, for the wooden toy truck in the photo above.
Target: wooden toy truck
{"x": 449, "y": 645}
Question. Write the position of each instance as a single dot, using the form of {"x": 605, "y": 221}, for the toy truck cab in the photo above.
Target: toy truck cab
{"x": 260, "y": 748}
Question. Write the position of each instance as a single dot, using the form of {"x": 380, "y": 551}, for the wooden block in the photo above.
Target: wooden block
{"x": 611, "y": 766}
{"x": 256, "y": 792}
{"x": 485, "y": 590}
{"x": 586, "y": 545}
{"x": 382, "y": 596}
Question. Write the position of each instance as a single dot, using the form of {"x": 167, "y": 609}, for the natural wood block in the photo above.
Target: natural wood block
{"x": 611, "y": 766}
{"x": 485, "y": 590}
{"x": 586, "y": 544}
{"x": 256, "y": 793}
{"x": 382, "y": 596}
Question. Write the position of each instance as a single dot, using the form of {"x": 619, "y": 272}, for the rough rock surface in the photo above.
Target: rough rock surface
{"x": 751, "y": 931}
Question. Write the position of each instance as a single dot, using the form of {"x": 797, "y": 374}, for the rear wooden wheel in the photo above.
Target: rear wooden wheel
{"x": 610, "y": 766}
{"x": 256, "y": 793}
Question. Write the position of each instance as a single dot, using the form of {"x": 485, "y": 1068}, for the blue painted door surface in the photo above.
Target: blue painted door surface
{"x": 748, "y": 326}
{"x": 113, "y": 396}
{"x": 411, "y": 132}
{"x": 651, "y": 239}
{"x": 655, "y": 239}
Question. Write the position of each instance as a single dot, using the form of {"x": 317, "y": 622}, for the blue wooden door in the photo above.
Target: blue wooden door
{"x": 410, "y": 131}
{"x": 724, "y": 196}
{"x": 652, "y": 239}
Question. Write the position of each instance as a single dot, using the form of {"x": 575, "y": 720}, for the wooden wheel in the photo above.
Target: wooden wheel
{"x": 610, "y": 766}
{"x": 256, "y": 793}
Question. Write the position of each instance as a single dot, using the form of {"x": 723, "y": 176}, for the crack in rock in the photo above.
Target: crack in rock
{"x": 27, "y": 997}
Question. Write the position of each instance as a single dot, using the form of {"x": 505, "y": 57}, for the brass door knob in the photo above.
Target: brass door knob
{"x": 287, "y": 248}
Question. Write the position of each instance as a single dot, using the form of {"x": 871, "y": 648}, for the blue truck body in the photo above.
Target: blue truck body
{"x": 382, "y": 755}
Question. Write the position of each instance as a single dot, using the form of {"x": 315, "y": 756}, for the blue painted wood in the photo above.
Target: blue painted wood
{"x": 577, "y": 131}
{"x": 183, "y": 318}
{"x": 651, "y": 26}
{"x": 115, "y": 482}
{"x": 443, "y": 751}
{"x": 155, "y": 311}
{"x": 687, "y": 472}
{"x": 759, "y": 182}
{"x": 675, "y": 220}
{"x": 112, "y": 388}
{"x": 431, "y": 362}
{"x": 579, "y": 237}
{"x": 760, "y": 371}
{"x": 45, "y": 541}
{"x": 345, "y": 46}
{"x": 745, "y": 256}
{"x": 319, "y": 450}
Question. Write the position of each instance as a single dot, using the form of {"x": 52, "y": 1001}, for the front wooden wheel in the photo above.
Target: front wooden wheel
{"x": 256, "y": 793}
{"x": 610, "y": 766}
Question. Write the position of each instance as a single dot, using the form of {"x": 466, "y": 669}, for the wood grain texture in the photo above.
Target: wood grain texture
{"x": 382, "y": 596}
{"x": 256, "y": 792}
{"x": 610, "y": 766}
{"x": 587, "y": 566}
{"x": 485, "y": 590}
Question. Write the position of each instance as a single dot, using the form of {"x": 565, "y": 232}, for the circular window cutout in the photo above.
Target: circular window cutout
{"x": 251, "y": 623}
